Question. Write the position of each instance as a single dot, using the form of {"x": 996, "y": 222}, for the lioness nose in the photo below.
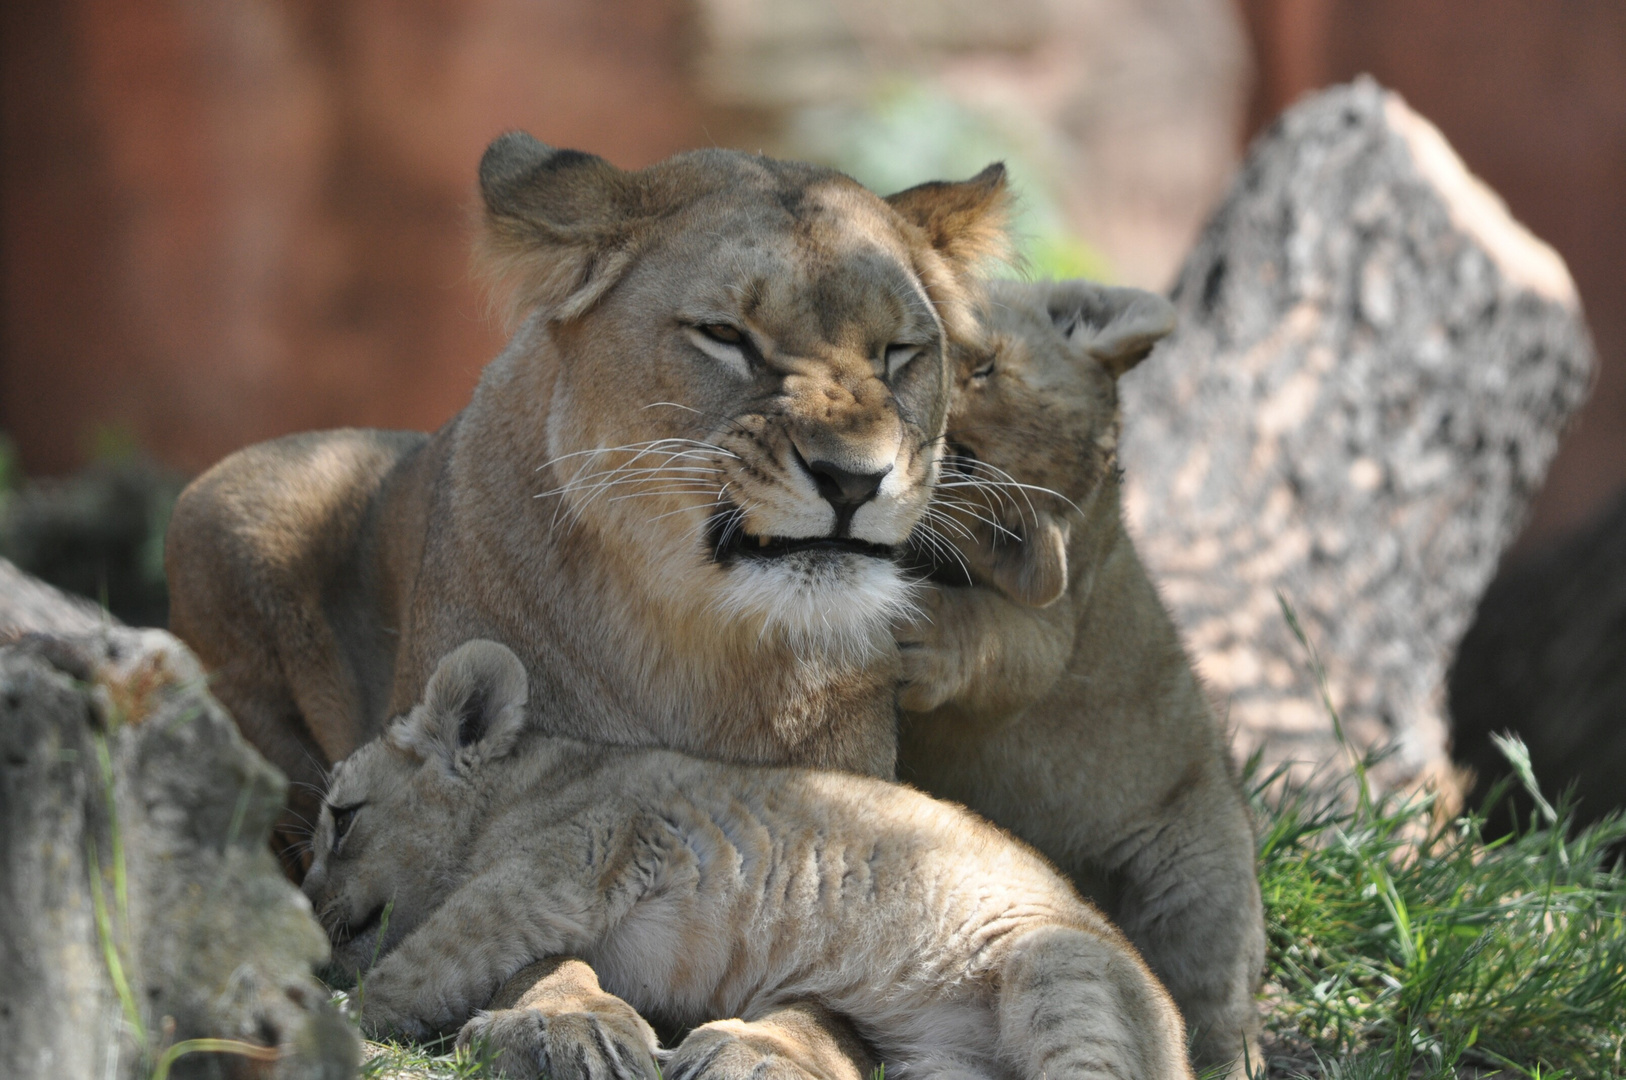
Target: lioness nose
{"x": 842, "y": 488}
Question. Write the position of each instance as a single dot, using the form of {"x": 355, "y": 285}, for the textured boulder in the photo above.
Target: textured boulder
{"x": 1373, "y": 367}
{"x": 140, "y": 906}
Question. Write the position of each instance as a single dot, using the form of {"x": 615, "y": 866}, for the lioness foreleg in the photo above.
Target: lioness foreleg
{"x": 553, "y": 1019}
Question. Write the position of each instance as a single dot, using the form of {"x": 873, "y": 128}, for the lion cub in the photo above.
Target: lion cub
{"x": 1053, "y": 694}
{"x": 463, "y": 845}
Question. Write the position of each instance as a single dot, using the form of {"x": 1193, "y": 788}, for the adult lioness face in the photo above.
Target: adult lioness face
{"x": 748, "y": 376}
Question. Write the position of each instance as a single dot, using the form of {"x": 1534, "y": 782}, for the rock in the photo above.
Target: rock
{"x": 1372, "y": 370}
{"x": 28, "y": 604}
{"x": 140, "y": 905}
{"x": 1545, "y": 659}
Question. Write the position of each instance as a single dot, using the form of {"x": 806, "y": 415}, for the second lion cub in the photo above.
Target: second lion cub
{"x": 463, "y": 846}
{"x": 1050, "y": 691}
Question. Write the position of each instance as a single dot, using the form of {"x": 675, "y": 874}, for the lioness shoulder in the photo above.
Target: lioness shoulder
{"x": 1049, "y": 688}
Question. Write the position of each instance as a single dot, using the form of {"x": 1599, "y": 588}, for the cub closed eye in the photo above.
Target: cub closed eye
{"x": 984, "y": 371}
{"x": 343, "y": 818}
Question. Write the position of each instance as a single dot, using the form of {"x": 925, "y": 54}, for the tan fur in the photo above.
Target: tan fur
{"x": 1079, "y": 724}
{"x": 747, "y": 900}
{"x": 576, "y": 508}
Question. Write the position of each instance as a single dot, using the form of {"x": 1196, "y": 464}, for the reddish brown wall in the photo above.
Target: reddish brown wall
{"x": 226, "y": 221}
{"x": 1533, "y": 95}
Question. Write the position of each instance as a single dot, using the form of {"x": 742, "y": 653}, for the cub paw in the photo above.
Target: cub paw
{"x": 933, "y": 670}
{"x": 380, "y": 1019}
{"x": 525, "y": 1044}
{"x": 736, "y": 1050}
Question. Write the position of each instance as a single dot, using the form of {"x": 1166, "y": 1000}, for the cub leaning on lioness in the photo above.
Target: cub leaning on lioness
{"x": 677, "y": 492}
{"x": 1053, "y": 693}
{"x": 464, "y": 845}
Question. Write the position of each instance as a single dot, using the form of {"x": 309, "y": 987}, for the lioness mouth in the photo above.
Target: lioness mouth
{"x": 729, "y": 542}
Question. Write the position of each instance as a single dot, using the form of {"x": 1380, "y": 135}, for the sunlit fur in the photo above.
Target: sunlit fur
{"x": 572, "y": 509}
{"x": 1054, "y": 695}
{"x": 706, "y": 894}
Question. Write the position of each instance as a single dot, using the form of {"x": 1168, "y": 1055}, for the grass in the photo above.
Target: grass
{"x": 1405, "y": 943}
{"x": 1404, "y": 946}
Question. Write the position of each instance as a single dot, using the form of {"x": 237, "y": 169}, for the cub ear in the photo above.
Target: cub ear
{"x": 557, "y": 225}
{"x": 473, "y": 708}
{"x": 1032, "y": 570}
{"x": 1117, "y": 326}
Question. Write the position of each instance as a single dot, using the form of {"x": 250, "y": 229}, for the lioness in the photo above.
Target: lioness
{"x": 1053, "y": 694}
{"x": 463, "y": 845}
{"x": 676, "y": 493}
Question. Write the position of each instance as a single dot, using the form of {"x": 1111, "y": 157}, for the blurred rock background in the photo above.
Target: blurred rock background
{"x": 226, "y": 221}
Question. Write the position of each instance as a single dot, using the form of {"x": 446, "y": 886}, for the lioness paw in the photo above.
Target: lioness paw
{"x": 526, "y": 1044}
{"x": 735, "y": 1050}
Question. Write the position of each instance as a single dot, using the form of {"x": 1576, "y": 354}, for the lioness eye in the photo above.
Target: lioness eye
{"x": 723, "y": 333}
{"x": 899, "y": 355}
{"x": 343, "y": 818}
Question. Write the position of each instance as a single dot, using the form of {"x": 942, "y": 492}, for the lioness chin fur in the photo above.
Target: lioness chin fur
{"x": 1052, "y": 693}
{"x": 675, "y": 493}
{"x": 463, "y": 846}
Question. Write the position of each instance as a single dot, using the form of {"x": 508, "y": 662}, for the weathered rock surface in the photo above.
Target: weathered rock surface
{"x": 1545, "y": 659}
{"x": 1372, "y": 370}
{"x": 140, "y": 905}
{"x": 28, "y": 604}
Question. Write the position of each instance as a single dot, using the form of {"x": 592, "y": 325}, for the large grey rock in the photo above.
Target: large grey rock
{"x": 1373, "y": 366}
{"x": 140, "y": 905}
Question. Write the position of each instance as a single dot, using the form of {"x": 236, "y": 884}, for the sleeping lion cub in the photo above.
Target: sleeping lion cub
{"x": 699, "y": 892}
{"x": 1054, "y": 695}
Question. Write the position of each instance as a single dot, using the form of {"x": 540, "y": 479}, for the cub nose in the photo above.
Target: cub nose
{"x": 842, "y": 488}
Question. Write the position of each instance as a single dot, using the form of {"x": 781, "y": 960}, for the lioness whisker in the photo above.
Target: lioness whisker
{"x": 638, "y": 449}
{"x": 934, "y": 514}
{"x": 939, "y": 544}
{"x": 973, "y": 510}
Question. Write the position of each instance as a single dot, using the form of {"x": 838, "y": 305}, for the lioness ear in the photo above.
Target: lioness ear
{"x": 473, "y": 708}
{"x": 1033, "y": 571}
{"x": 962, "y": 225}
{"x": 1117, "y": 326}
{"x": 557, "y": 224}
{"x": 964, "y": 221}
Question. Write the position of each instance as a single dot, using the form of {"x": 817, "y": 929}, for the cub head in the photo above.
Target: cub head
{"x": 401, "y": 811}
{"x": 1033, "y": 427}
{"x": 745, "y": 369}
